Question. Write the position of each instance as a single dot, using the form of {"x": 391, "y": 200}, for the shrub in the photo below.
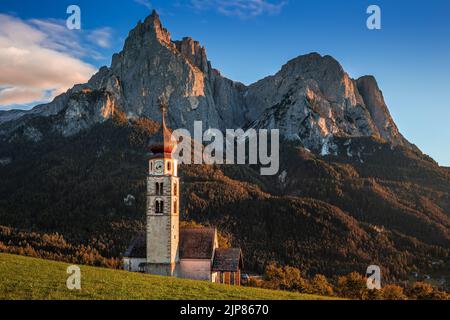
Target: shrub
{"x": 319, "y": 285}
{"x": 285, "y": 278}
{"x": 352, "y": 286}
{"x": 421, "y": 291}
{"x": 393, "y": 292}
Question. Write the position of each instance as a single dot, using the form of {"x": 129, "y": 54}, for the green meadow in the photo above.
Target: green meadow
{"x": 24, "y": 278}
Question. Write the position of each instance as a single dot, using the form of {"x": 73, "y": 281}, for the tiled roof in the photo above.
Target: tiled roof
{"x": 194, "y": 244}
{"x": 197, "y": 243}
{"x": 227, "y": 260}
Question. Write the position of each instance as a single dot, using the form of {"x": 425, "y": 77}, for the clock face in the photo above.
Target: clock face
{"x": 159, "y": 167}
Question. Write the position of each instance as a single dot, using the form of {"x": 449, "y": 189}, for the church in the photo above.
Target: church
{"x": 165, "y": 248}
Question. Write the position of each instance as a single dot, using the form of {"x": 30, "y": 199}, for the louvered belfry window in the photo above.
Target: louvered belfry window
{"x": 159, "y": 188}
{"x": 159, "y": 206}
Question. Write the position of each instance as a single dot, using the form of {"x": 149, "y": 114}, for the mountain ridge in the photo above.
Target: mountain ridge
{"x": 311, "y": 99}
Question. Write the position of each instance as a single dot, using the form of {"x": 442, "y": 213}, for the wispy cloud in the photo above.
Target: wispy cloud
{"x": 241, "y": 8}
{"x": 54, "y": 35}
{"x": 40, "y": 59}
{"x": 20, "y": 95}
{"x": 145, "y": 3}
{"x": 101, "y": 37}
{"x": 76, "y": 42}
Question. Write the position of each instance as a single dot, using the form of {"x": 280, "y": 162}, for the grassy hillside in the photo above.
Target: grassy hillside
{"x": 29, "y": 278}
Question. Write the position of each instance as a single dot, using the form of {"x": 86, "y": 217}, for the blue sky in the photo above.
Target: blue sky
{"x": 250, "y": 39}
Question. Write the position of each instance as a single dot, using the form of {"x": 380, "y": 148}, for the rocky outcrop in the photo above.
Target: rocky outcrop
{"x": 311, "y": 99}
{"x": 379, "y": 112}
{"x": 194, "y": 53}
{"x": 6, "y": 116}
{"x": 152, "y": 64}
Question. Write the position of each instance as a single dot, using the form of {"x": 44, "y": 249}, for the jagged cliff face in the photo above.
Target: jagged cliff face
{"x": 311, "y": 99}
{"x": 152, "y": 64}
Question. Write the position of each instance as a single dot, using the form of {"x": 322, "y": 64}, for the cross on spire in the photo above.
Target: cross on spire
{"x": 164, "y": 107}
{"x": 163, "y": 104}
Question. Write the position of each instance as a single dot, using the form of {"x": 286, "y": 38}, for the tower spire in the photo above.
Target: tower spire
{"x": 167, "y": 134}
{"x": 164, "y": 107}
{"x": 162, "y": 142}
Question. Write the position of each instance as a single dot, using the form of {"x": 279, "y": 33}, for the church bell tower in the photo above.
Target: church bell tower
{"x": 163, "y": 190}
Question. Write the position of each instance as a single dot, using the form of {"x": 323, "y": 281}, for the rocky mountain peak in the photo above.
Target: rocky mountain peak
{"x": 313, "y": 62}
{"x": 375, "y": 104}
{"x": 154, "y": 24}
{"x": 146, "y": 33}
{"x": 152, "y": 27}
{"x": 327, "y": 73}
{"x": 194, "y": 52}
{"x": 311, "y": 99}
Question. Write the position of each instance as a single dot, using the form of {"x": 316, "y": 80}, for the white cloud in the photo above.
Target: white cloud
{"x": 144, "y": 3}
{"x": 20, "y": 95}
{"x": 58, "y": 37}
{"x": 41, "y": 58}
{"x": 241, "y": 8}
{"x": 101, "y": 37}
{"x": 74, "y": 42}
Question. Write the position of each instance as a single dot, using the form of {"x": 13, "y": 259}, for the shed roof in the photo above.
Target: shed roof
{"x": 227, "y": 260}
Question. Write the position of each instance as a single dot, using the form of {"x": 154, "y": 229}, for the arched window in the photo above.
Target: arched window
{"x": 169, "y": 166}
{"x": 175, "y": 207}
{"x": 159, "y": 206}
{"x": 175, "y": 189}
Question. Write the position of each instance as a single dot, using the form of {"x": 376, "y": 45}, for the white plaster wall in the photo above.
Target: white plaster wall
{"x": 132, "y": 264}
{"x": 196, "y": 269}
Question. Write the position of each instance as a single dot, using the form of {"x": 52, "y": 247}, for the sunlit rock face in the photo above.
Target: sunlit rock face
{"x": 374, "y": 101}
{"x": 152, "y": 64}
{"x": 149, "y": 65}
{"x": 311, "y": 99}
